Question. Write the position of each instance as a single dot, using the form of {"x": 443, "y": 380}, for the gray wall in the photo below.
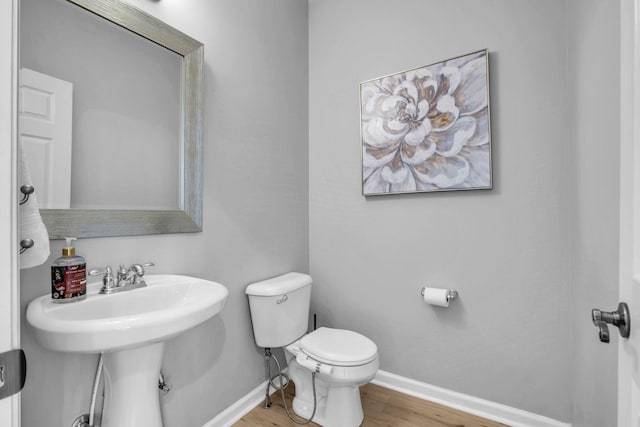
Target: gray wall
{"x": 594, "y": 81}
{"x": 126, "y": 104}
{"x": 255, "y": 213}
{"x": 507, "y": 251}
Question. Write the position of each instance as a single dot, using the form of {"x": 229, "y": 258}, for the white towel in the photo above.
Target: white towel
{"x": 31, "y": 225}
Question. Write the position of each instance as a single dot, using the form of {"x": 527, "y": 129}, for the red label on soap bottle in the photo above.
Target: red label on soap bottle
{"x": 68, "y": 282}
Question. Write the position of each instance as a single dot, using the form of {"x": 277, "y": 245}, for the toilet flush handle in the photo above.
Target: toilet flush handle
{"x": 283, "y": 299}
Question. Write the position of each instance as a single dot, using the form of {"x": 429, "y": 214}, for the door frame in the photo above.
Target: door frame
{"x": 629, "y": 279}
{"x": 10, "y": 305}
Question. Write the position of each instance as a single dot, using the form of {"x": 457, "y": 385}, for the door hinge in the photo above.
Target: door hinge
{"x": 13, "y": 372}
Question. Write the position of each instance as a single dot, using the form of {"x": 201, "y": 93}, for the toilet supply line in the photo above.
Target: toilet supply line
{"x": 268, "y": 355}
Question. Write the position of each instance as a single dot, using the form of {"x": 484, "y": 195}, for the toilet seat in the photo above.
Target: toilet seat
{"x": 340, "y": 362}
{"x": 338, "y": 347}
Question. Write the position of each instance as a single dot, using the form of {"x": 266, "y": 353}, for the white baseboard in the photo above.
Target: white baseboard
{"x": 462, "y": 402}
{"x": 242, "y": 407}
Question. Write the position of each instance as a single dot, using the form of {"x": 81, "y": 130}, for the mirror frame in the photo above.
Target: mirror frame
{"x": 103, "y": 223}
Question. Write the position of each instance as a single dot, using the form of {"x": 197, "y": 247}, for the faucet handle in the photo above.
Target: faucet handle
{"x": 146, "y": 264}
{"x": 108, "y": 284}
{"x": 138, "y": 269}
{"x": 100, "y": 270}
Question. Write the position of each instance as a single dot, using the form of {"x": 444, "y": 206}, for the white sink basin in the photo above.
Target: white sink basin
{"x": 130, "y": 328}
{"x": 166, "y": 307}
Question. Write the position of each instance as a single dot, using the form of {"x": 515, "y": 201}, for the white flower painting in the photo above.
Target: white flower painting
{"x": 427, "y": 129}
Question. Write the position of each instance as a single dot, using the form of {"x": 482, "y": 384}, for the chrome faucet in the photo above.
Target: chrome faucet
{"x": 126, "y": 278}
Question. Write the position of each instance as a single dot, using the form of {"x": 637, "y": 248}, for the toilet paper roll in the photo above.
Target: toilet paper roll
{"x": 434, "y": 296}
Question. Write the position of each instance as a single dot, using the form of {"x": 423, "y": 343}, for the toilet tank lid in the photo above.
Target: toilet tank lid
{"x": 279, "y": 285}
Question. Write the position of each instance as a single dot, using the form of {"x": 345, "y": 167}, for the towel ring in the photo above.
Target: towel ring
{"x": 26, "y": 191}
{"x": 26, "y": 244}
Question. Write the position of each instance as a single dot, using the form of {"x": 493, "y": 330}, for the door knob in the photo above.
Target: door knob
{"x": 619, "y": 318}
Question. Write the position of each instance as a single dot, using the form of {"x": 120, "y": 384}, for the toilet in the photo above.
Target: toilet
{"x": 342, "y": 360}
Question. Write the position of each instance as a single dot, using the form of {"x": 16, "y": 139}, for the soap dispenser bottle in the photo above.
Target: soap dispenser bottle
{"x": 69, "y": 275}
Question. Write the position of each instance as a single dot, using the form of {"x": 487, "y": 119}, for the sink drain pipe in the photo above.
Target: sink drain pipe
{"x": 94, "y": 394}
{"x": 88, "y": 420}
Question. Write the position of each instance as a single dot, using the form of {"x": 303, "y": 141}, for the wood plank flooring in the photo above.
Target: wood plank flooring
{"x": 382, "y": 408}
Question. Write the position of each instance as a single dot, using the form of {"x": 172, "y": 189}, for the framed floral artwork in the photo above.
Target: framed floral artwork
{"x": 427, "y": 129}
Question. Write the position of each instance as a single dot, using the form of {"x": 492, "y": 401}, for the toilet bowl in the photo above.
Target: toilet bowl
{"x": 342, "y": 362}
{"x": 329, "y": 363}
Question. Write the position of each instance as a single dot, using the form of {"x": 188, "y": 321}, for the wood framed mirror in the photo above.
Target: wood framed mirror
{"x": 187, "y": 216}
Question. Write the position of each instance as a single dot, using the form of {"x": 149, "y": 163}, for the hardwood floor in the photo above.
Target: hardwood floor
{"x": 382, "y": 408}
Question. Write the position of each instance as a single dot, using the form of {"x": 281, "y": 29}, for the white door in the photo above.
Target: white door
{"x": 629, "y": 349}
{"x": 44, "y": 124}
{"x": 9, "y": 303}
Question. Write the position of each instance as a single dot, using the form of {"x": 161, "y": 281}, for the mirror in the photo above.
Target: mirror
{"x": 165, "y": 126}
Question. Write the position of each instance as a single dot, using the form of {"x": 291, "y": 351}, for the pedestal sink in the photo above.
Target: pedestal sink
{"x": 130, "y": 328}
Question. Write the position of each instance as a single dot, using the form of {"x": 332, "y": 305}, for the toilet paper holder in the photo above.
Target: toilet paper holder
{"x": 451, "y": 293}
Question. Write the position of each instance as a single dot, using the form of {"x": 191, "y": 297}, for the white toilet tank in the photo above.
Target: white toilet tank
{"x": 280, "y": 309}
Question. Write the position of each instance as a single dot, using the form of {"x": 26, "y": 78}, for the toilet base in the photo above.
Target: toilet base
{"x": 338, "y": 400}
{"x": 345, "y": 407}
